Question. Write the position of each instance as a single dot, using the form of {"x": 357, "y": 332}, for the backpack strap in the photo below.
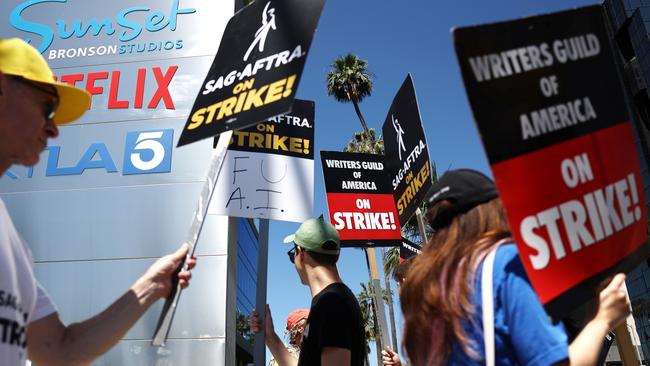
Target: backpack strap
{"x": 487, "y": 298}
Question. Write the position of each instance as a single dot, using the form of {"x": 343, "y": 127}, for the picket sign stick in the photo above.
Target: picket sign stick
{"x": 259, "y": 353}
{"x": 624, "y": 340}
{"x": 372, "y": 271}
{"x": 169, "y": 309}
{"x": 625, "y": 346}
{"x": 382, "y": 326}
{"x": 421, "y": 226}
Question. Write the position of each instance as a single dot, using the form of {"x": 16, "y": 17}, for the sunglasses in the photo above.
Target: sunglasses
{"x": 53, "y": 104}
{"x": 292, "y": 253}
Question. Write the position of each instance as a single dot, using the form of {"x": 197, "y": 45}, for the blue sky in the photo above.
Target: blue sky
{"x": 395, "y": 38}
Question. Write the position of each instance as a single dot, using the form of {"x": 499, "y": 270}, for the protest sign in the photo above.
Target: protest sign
{"x": 548, "y": 104}
{"x": 257, "y": 69}
{"x": 269, "y": 169}
{"x": 407, "y": 155}
{"x": 408, "y": 249}
{"x": 359, "y": 199}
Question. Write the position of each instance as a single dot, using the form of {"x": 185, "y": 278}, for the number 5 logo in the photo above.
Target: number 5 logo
{"x": 148, "y": 152}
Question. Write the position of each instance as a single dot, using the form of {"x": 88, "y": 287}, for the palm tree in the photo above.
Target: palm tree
{"x": 350, "y": 81}
{"x": 366, "y": 302}
{"x": 391, "y": 260}
{"x": 365, "y": 143}
{"x": 242, "y": 326}
{"x": 367, "y": 312}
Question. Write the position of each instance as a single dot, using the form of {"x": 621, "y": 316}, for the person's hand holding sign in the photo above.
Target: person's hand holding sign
{"x": 83, "y": 342}
{"x": 614, "y": 305}
{"x": 613, "y": 308}
{"x": 271, "y": 338}
{"x": 390, "y": 358}
{"x": 256, "y": 324}
{"x": 159, "y": 275}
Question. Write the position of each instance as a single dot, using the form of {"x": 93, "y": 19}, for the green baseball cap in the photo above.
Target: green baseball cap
{"x": 316, "y": 235}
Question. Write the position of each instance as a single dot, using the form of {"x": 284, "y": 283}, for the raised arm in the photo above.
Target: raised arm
{"x": 50, "y": 342}
{"x": 280, "y": 353}
{"x": 613, "y": 308}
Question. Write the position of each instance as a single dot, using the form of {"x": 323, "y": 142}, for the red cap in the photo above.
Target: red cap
{"x": 296, "y": 316}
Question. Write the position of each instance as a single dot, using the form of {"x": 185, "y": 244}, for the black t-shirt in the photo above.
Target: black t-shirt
{"x": 334, "y": 321}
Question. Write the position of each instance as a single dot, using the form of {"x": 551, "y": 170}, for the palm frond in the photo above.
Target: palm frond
{"x": 362, "y": 143}
{"x": 391, "y": 260}
{"x": 348, "y": 78}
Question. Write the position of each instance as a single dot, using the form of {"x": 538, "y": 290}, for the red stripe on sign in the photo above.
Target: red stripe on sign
{"x": 575, "y": 208}
{"x": 359, "y": 216}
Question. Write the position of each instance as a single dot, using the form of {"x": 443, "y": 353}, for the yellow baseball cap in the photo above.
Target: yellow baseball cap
{"x": 18, "y": 58}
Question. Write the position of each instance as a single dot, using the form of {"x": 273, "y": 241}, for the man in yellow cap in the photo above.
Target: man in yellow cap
{"x": 334, "y": 332}
{"x": 32, "y": 104}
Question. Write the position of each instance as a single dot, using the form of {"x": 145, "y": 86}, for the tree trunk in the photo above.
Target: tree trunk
{"x": 372, "y": 308}
{"x": 355, "y": 103}
{"x": 377, "y": 339}
{"x": 391, "y": 309}
{"x": 363, "y": 121}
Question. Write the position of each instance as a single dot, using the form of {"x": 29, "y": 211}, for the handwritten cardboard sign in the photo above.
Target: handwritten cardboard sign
{"x": 269, "y": 169}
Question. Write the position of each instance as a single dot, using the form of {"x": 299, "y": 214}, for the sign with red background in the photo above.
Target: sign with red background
{"x": 360, "y": 201}
{"x": 591, "y": 216}
{"x": 548, "y": 103}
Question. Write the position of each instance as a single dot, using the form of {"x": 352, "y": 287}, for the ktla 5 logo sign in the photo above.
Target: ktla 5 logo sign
{"x": 144, "y": 152}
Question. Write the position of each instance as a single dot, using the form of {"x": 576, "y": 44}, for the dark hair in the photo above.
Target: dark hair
{"x": 437, "y": 298}
{"x": 322, "y": 259}
{"x": 400, "y": 271}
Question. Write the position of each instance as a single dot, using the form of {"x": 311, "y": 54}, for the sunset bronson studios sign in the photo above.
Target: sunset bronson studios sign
{"x": 119, "y": 33}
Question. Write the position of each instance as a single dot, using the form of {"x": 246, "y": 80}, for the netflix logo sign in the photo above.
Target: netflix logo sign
{"x": 143, "y": 91}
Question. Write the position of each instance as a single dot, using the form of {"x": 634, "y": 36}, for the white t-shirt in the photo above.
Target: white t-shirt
{"x": 22, "y": 299}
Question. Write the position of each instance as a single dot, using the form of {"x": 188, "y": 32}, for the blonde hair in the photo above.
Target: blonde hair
{"x": 295, "y": 332}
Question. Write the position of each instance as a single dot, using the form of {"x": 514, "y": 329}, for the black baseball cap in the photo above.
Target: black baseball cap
{"x": 464, "y": 189}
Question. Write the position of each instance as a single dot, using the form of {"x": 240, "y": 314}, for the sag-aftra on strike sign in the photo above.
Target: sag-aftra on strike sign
{"x": 549, "y": 106}
{"x": 407, "y": 154}
{"x": 256, "y": 72}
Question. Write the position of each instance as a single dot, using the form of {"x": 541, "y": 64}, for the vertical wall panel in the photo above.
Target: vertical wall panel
{"x": 99, "y": 207}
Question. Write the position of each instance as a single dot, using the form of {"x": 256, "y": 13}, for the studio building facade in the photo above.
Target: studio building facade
{"x": 113, "y": 193}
